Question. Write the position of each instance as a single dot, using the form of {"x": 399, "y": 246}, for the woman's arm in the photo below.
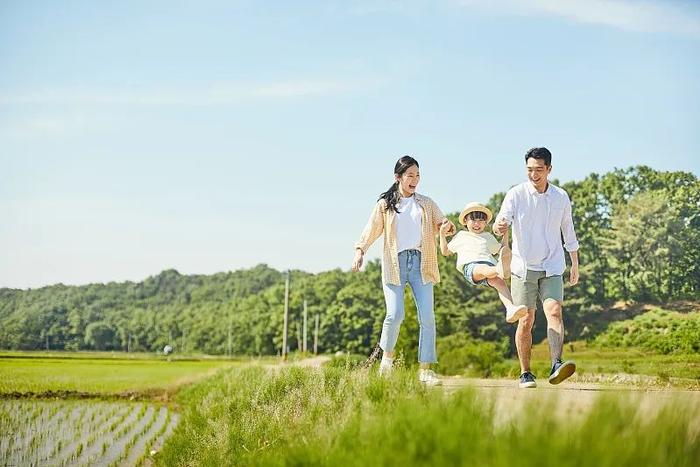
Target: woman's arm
{"x": 371, "y": 232}
{"x": 439, "y": 219}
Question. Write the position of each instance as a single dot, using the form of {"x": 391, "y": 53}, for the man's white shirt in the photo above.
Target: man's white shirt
{"x": 539, "y": 220}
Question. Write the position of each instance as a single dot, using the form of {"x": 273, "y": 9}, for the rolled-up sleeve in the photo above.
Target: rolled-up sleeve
{"x": 374, "y": 227}
{"x": 507, "y": 208}
{"x": 438, "y": 216}
{"x": 567, "y": 228}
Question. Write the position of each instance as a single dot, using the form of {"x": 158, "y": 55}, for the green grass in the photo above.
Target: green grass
{"x": 335, "y": 416}
{"x": 102, "y": 374}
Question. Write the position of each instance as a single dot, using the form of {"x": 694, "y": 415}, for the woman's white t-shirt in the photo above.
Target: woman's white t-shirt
{"x": 409, "y": 221}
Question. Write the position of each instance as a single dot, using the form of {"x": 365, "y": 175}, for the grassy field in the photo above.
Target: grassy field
{"x": 251, "y": 412}
{"x": 333, "y": 416}
{"x": 105, "y": 374}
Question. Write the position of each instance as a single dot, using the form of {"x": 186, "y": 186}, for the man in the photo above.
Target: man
{"x": 540, "y": 213}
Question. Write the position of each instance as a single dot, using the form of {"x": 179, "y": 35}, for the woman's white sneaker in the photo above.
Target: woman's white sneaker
{"x": 428, "y": 377}
{"x": 386, "y": 366}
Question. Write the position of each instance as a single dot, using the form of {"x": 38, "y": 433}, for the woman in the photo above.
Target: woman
{"x": 410, "y": 222}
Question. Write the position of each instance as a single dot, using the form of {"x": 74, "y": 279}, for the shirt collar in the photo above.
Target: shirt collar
{"x": 533, "y": 191}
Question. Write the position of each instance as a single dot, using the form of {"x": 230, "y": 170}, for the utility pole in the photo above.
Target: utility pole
{"x": 47, "y": 341}
{"x": 286, "y": 313}
{"x": 230, "y": 325}
{"x": 128, "y": 344}
{"x": 316, "y": 336}
{"x": 304, "y": 347}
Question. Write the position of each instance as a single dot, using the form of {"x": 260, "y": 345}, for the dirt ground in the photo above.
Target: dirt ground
{"x": 568, "y": 399}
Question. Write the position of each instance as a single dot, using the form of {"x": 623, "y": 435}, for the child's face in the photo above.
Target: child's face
{"x": 476, "y": 225}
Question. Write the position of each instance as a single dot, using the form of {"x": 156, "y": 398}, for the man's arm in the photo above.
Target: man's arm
{"x": 570, "y": 241}
{"x": 573, "y": 273}
{"x": 505, "y": 215}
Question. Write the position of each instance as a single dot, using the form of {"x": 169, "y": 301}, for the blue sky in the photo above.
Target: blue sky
{"x": 211, "y": 136}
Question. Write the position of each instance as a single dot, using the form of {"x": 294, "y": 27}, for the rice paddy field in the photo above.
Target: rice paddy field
{"x": 107, "y": 410}
{"x": 91, "y": 408}
{"x": 79, "y": 433}
{"x": 25, "y": 374}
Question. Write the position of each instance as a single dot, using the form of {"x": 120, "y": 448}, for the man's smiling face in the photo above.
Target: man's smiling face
{"x": 537, "y": 173}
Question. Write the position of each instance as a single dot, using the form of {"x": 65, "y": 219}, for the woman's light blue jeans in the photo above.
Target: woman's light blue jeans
{"x": 409, "y": 268}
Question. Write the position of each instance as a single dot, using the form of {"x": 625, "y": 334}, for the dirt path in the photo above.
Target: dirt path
{"x": 313, "y": 362}
{"x": 567, "y": 399}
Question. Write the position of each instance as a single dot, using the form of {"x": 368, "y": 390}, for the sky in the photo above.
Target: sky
{"x": 208, "y": 136}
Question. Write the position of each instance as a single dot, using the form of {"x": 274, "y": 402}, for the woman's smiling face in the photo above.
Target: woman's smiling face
{"x": 408, "y": 181}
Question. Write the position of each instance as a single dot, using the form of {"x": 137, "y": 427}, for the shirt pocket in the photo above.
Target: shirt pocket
{"x": 556, "y": 215}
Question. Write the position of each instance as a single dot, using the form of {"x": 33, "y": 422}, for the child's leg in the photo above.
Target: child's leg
{"x": 513, "y": 312}
{"x": 484, "y": 271}
{"x": 502, "y": 289}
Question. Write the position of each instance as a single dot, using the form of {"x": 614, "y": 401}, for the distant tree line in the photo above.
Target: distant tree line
{"x": 639, "y": 231}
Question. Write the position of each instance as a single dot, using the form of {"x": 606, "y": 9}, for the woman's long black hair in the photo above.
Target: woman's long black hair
{"x": 392, "y": 195}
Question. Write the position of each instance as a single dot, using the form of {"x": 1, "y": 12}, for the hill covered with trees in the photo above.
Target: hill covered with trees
{"x": 639, "y": 231}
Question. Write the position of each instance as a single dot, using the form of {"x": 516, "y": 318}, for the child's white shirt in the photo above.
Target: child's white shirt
{"x": 472, "y": 247}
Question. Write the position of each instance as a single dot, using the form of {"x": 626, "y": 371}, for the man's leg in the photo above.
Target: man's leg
{"x": 524, "y": 292}
{"x": 555, "y": 328}
{"x": 551, "y": 290}
{"x": 523, "y": 340}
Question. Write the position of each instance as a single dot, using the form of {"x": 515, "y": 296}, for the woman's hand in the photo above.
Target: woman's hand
{"x": 357, "y": 261}
{"x": 447, "y": 227}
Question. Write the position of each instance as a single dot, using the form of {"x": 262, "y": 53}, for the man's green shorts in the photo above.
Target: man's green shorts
{"x": 535, "y": 285}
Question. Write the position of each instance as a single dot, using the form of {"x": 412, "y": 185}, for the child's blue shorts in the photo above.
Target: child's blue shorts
{"x": 469, "y": 272}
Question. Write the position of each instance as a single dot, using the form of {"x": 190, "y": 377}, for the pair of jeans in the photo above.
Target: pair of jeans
{"x": 409, "y": 269}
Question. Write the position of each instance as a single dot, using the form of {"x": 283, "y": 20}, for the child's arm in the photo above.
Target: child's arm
{"x": 444, "y": 228}
{"x": 494, "y": 245}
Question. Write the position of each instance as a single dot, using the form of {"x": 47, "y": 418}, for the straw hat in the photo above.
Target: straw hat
{"x": 471, "y": 207}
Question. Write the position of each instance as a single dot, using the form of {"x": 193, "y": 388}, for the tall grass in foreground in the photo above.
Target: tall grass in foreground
{"x": 334, "y": 416}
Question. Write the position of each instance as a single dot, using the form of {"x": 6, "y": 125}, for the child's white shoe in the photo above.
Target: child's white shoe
{"x": 386, "y": 366}
{"x": 499, "y": 270}
{"x": 428, "y": 377}
{"x": 515, "y": 312}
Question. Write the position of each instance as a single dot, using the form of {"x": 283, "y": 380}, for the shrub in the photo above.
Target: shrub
{"x": 658, "y": 330}
{"x": 460, "y": 353}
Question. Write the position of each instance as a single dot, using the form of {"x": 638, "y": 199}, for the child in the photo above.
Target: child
{"x": 475, "y": 249}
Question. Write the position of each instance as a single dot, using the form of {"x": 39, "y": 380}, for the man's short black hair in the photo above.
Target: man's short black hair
{"x": 540, "y": 153}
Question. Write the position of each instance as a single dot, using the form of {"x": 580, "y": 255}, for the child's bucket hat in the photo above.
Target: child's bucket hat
{"x": 471, "y": 207}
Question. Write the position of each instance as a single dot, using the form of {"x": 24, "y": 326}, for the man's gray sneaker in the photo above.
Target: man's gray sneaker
{"x": 561, "y": 371}
{"x": 527, "y": 380}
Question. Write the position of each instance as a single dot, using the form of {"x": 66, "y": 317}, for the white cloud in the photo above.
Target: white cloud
{"x": 676, "y": 17}
{"x": 214, "y": 94}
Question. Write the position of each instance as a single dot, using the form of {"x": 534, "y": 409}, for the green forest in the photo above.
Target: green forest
{"x": 639, "y": 234}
